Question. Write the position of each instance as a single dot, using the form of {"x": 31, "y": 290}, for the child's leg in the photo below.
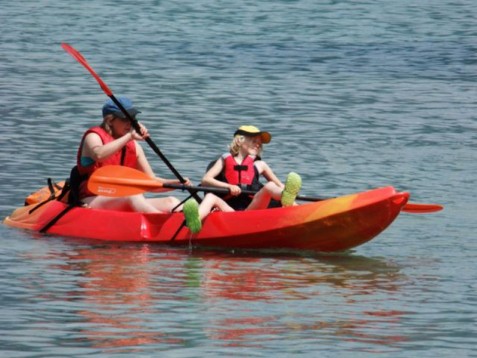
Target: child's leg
{"x": 261, "y": 200}
{"x": 194, "y": 213}
{"x": 210, "y": 202}
{"x": 286, "y": 195}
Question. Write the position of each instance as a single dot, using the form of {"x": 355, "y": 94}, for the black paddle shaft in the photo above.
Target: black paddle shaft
{"x": 154, "y": 147}
{"x": 217, "y": 190}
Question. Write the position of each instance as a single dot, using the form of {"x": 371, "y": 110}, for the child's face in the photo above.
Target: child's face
{"x": 252, "y": 145}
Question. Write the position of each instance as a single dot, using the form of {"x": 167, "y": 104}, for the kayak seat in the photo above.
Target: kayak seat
{"x": 75, "y": 181}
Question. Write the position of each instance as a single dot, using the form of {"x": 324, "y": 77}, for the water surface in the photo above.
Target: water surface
{"x": 356, "y": 95}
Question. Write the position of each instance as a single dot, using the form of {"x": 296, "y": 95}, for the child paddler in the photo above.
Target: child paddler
{"x": 240, "y": 169}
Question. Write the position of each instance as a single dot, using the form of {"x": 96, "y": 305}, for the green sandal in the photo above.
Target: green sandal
{"x": 191, "y": 213}
{"x": 292, "y": 188}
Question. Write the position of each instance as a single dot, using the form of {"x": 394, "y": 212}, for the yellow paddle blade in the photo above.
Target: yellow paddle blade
{"x": 118, "y": 181}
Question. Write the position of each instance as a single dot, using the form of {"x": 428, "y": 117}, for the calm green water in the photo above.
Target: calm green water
{"x": 356, "y": 94}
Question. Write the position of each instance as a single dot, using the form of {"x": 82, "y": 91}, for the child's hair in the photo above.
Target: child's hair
{"x": 236, "y": 143}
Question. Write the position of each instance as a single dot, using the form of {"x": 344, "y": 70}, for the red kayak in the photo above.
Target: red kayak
{"x": 334, "y": 224}
{"x": 330, "y": 225}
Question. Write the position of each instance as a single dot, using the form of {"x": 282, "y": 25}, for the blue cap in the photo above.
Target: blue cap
{"x": 111, "y": 108}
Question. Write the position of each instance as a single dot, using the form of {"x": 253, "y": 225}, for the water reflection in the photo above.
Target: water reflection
{"x": 118, "y": 299}
{"x": 328, "y": 294}
{"x": 250, "y": 278}
{"x": 132, "y": 296}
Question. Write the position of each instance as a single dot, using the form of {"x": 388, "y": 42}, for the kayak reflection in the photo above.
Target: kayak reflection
{"x": 132, "y": 295}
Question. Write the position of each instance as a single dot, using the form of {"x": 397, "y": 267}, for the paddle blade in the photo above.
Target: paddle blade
{"x": 415, "y": 208}
{"x": 79, "y": 57}
{"x": 119, "y": 181}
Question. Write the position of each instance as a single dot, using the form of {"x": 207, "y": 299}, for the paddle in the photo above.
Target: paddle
{"x": 117, "y": 181}
{"x": 78, "y": 57}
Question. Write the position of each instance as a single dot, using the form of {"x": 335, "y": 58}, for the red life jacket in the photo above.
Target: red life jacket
{"x": 127, "y": 157}
{"x": 245, "y": 175}
{"x": 237, "y": 174}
